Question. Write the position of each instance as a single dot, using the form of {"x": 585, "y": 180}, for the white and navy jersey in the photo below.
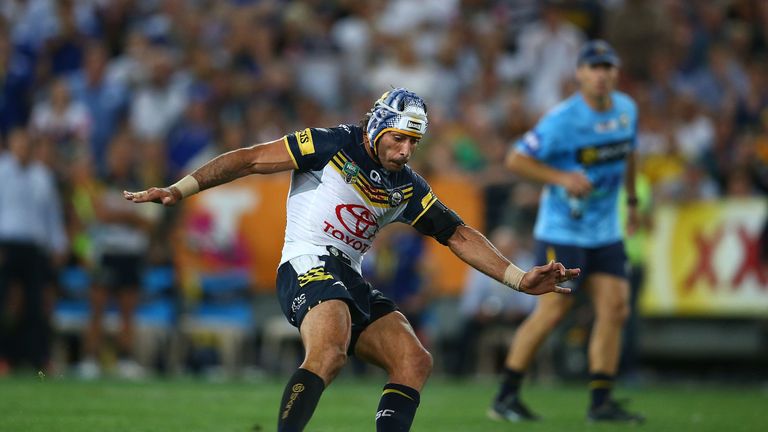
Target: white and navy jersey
{"x": 340, "y": 197}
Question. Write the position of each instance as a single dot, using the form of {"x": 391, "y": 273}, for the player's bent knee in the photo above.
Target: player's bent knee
{"x": 416, "y": 367}
{"x": 423, "y": 364}
{"x": 327, "y": 362}
{"x": 335, "y": 358}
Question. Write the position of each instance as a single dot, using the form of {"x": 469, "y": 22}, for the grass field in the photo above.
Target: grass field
{"x": 30, "y": 404}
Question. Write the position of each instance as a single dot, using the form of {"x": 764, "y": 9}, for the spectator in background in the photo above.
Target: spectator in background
{"x": 317, "y": 66}
{"x": 693, "y": 129}
{"x": 631, "y": 26}
{"x": 721, "y": 83}
{"x": 486, "y": 303}
{"x": 130, "y": 67}
{"x": 105, "y": 99}
{"x": 159, "y": 102}
{"x": 65, "y": 123}
{"x": 451, "y": 75}
{"x": 16, "y": 76}
{"x": 545, "y": 57}
{"x": 190, "y": 142}
{"x": 403, "y": 66}
{"x": 690, "y": 185}
{"x": 120, "y": 242}
{"x": 32, "y": 241}
{"x": 353, "y": 33}
{"x": 63, "y": 50}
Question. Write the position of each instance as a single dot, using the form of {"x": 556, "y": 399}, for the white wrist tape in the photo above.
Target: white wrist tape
{"x": 187, "y": 186}
{"x": 513, "y": 275}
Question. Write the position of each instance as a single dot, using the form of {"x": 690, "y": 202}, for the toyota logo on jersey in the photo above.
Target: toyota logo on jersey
{"x": 358, "y": 220}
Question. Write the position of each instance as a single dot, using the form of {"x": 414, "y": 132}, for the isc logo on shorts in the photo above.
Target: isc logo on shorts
{"x": 298, "y": 302}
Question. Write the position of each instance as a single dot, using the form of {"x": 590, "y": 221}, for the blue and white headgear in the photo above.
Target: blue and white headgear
{"x": 400, "y": 110}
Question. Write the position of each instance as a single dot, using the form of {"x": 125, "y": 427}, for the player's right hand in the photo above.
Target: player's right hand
{"x": 576, "y": 183}
{"x": 164, "y": 196}
{"x": 544, "y": 279}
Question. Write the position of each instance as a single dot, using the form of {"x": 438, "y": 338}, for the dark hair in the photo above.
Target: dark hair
{"x": 364, "y": 121}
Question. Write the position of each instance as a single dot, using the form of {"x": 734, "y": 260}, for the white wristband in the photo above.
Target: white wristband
{"x": 187, "y": 186}
{"x": 513, "y": 275}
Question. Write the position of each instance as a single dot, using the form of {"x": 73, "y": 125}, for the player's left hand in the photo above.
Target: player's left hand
{"x": 544, "y": 279}
{"x": 633, "y": 220}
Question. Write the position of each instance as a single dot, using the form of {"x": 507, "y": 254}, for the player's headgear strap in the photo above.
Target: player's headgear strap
{"x": 397, "y": 109}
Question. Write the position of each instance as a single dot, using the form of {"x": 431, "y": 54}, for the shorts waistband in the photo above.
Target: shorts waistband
{"x": 341, "y": 256}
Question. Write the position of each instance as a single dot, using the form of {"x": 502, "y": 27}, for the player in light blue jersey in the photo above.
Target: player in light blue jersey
{"x": 583, "y": 151}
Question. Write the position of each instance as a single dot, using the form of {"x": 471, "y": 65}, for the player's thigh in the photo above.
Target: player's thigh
{"x": 609, "y": 294}
{"x": 569, "y": 255}
{"x": 390, "y": 342}
{"x": 551, "y": 308}
{"x": 328, "y": 324}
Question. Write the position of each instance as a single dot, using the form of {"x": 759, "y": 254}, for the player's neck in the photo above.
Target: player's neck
{"x": 599, "y": 103}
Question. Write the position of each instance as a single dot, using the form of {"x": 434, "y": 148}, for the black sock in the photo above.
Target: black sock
{"x": 511, "y": 384}
{"x": 299, "y": 400}
{"x": 397, "y": 408}
{"x": 601, "y": 385}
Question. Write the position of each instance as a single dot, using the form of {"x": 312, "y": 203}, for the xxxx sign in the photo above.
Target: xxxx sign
{"x": 704, "y": 259}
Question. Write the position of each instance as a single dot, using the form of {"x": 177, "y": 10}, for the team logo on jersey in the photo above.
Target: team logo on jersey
{"x": 531, "y": 142}
{"x": 375, "y": 176}
{"x": 624, "y": 120}
{"x": 358, "y": 220}
{"x": 395, "y": 198}
{"x": 350, "y": 171}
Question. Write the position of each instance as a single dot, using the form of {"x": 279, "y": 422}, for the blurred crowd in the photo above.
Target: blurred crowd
{"x": 124, "y": 94}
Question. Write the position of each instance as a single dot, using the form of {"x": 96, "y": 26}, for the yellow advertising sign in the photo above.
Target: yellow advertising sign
{"x": 704, "y": 260}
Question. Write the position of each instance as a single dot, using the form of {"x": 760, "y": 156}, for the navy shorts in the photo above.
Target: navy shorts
{"x": 120, "y": 271}
{"x": 306, "y": 281}
{"x": 609, "y": 259}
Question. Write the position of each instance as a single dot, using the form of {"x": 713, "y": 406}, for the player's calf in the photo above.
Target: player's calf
{"x": 397, "y": 408}
{"x": 300, "y": 398}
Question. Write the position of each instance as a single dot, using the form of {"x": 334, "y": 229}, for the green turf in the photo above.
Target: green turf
{"x": 30, "y": 404}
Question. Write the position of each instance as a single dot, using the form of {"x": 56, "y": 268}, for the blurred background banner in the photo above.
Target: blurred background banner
{"x": 704, "y": 260}
{"x": 239, "y": 227}
{"x": 463, "y": 196}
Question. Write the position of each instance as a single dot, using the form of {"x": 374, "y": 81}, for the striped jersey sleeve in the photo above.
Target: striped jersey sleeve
{"x": 312, "y": 148}
{"x": 423, "y": 198}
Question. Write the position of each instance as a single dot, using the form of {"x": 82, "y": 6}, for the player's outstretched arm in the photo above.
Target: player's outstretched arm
{"x": 474, "y": 249}
{"x": 264, "y": 158}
